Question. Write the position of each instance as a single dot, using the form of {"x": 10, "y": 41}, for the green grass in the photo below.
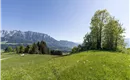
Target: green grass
{"x": 92, "y": 65}
{"x": 7, "y": 55}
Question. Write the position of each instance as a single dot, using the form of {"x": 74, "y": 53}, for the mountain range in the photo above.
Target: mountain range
{"x": 17, "y": 37}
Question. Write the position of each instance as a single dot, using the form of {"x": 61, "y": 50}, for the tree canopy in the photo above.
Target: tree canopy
{"x": 106, "y": 33}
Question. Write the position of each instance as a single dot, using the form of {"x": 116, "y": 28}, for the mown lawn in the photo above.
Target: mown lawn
{"x": 91, "y": 65}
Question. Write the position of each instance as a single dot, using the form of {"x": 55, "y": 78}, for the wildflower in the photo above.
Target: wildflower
{"x": 86, "y": 60}
{"x": 91, "y": 68}
{"x": 77, "y": 61}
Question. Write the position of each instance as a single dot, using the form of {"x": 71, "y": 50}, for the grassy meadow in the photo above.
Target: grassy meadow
{"x": 91, "y": 65}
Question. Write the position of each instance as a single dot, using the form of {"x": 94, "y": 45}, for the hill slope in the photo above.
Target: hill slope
{"x": 27, "y": 37}
{"x": 91, "y": 65}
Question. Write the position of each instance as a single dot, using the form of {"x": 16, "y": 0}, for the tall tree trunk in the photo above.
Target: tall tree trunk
{"x": 100, "y": 36}
{"x": 97, "y": 42}
{"x": 116, "y": 44}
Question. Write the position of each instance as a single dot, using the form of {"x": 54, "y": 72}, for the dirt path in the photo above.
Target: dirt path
{"x": 5, "y": 58}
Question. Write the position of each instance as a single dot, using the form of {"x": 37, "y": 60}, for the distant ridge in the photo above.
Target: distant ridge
{"x": 28, "y": 37}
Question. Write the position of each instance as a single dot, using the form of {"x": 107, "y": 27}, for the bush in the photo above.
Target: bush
{"x": 17, "y": 49}
{"x": 21, "y": 49}
{"x": 128, "y": 50}
{"x": 79, "y": 48}
{"x": 56, "y": 52}
{"x": 9, "y": 49}
{"x": 39, "y": 48}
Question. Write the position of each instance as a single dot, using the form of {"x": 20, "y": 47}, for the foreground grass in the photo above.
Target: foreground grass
{"x": 92, "y": 65}
{"x": 7, "y": 55}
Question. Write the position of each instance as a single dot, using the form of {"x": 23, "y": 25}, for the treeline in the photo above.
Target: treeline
{"x": 13, "y": 45}
{"x": 106, "y": 33}
{"x": 35, "y": 48}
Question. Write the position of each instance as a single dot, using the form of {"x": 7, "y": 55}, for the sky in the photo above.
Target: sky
{"x": 61, "y": 19}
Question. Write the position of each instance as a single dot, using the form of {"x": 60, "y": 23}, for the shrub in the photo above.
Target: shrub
{"x": 56, "y": 52}
{"x": 9, "y": 49}
{"x": 17, "y": 49}
{"x": 76, "y": 49}
{"x": 21, "y": 49}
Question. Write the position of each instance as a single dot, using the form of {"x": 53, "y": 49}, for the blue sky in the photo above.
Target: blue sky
{"x": 61, "y": 19}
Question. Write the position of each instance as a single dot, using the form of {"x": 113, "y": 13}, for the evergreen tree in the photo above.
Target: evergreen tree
{"x": 43, "y": 48}
{"x": 27, "y": 49}
{"x": 17, "y": 49}
{"x": 38, "y": 45}
{"x": 34, "y": 49}
{"x": 56, "y": 52}
{"x": 8, "y": 49}
{"x": 21, "y": 49}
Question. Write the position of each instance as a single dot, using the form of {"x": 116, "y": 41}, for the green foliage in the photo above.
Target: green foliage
{"x": 79, "y": 48}
{"x": 27, "y": 49}
{"x": 56, "y": 52}
{"x": 38, "y": 44}
{"x": 98, "y": 22}
{"x": 113, "y": 35}
{"x": 106, "y": 33}
{"x": 74, "y": 50}
{"x": 87, "y": 43}
{"x": 17, "y": 49}
{"x": 21, "y": 49}
{"x": 123, "y": 50}
{"x": 34, "y": 49}
{"x": 128, "y": 48}
{"x": 43, "y": 48}
{"x": 39, "y": 48}
{"x": 9, "y": 49}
